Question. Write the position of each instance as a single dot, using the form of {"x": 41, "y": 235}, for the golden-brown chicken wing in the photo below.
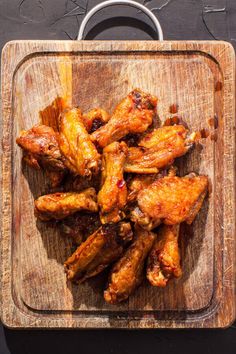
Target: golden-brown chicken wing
{"x": 79, "y": 226}
{"x": 113, "y": 194}
{"x": 132, "y": 115}
{"x": 95, "y": 119}
{"x": 158, "y": 149}
{"x": 81, "y": 156}
{"x": 128, "y": 272}
{"x": 164, "y": 258}
{"x": 60, "y": 205}
{"x": 100, "y": 249}
{"x": 40, "y": 145}
{"x": 170, "y": 200}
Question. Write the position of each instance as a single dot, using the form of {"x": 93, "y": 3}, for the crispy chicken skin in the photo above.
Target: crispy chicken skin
{"x": 60, "y": 205}
{"x": 41, "y": 150}
{"x": 128, "y": 272}
{"x": 159, "y": 149}
{"x": 170, "y": 200}
{"x": 100, "y": 249}
{"x": 164, "y": 258}
{"x": 79, "y": 226}
{"x": 113, "y": 194}
{"x": 95, "y": 119}
{"x": 132, "y": 115}
{"x": 81, "y": 156}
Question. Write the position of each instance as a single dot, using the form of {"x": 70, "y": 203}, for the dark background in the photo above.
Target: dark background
{"x": 60, "y": 19}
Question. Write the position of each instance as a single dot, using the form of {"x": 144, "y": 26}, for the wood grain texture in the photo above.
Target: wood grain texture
{"x": 34, "y": 290}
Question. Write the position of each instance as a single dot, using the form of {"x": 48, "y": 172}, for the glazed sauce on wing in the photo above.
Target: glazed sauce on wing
{"x": 120, "y": 183}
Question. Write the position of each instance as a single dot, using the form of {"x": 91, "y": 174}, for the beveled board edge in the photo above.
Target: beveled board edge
{"x": 13, "y": 54}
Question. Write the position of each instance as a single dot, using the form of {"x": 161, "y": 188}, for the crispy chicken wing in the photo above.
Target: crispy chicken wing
{"x": 132, "y": 115}
{"x": 60, "y": 205}
{"x": 170, "y": 200}
{"x": 81, "y": 156}
{"x": 95, "y": 119}
{"x": 40, "y": 145}
{"x": 100, "y": 249}
{"x": 127, "y": 273}
{"x": 113, "y": 194}
{"x": 158, "y": 149}
{"x": 79, "y": 226}
{"x": 164, "y": 258}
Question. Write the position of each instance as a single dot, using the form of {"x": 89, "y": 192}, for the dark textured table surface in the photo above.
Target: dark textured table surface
{"x": 60, "y": 19}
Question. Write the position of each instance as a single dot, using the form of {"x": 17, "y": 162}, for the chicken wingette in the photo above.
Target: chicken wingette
{"x": 170, "y": 200}
{"x": 80, "y": 154}
{"x": 113, "y": 194}
{"x": 133, "y": 114}
{"x": 100, "y": 249}
{"x": 60, "y": 205}
{"x": 164, "y": 259}
{"x": 128, "y": 272}
{"x": 41, "y": 150}
{"x": 159, "y": 149}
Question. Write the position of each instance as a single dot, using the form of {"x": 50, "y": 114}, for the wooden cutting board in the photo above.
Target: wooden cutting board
{"x": 200, "y": 78}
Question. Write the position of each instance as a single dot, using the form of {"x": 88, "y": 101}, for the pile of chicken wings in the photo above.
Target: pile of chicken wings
{"x": 117, "y": 192}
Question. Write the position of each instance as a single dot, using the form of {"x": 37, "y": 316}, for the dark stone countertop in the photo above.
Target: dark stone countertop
{"x": 60, "y": 19}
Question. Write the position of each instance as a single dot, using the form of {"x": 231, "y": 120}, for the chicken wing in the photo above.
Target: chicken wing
{"x": 79, "y": 226}
{"x": 164, "y": 258}
{"x": 41, "y": 150}
{"x": 95, "y": 119}
{"x": 113, "y": 194}
{"x": 100, "y": 249}
{"x": 128, "y": 272}
{"x": 60, "y": 205}
{"x": 132, "y": 115}
{"x": 159, "y": 149}
{"x": 81, "y": 156}
{"x": 170, "y": 200}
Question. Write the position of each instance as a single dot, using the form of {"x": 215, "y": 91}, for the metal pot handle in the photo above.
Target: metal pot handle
{"x": 120, "y": 2}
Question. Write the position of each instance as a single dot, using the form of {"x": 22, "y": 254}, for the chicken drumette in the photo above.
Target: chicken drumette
{"x": 113, "y": 194}
{"x": 132, "y": 115}
{"x": 164, "y": 258}
{"x": 128, "y": 272}
{"x": 170, "y": 200}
